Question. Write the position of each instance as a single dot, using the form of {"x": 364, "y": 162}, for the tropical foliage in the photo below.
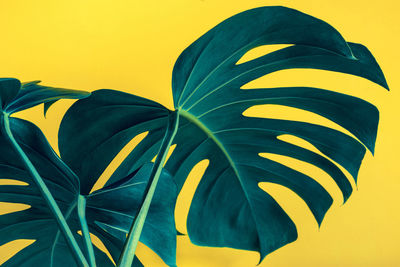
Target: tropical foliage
{"x": 228, "y": 208}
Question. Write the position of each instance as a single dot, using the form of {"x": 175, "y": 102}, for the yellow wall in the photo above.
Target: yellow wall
{"x": 132, "y": 45}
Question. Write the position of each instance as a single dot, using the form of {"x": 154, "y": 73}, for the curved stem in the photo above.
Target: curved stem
{"x": 85, "y": 230}
{"x": 132, "y": 240}
{"x": 45, "y": 192}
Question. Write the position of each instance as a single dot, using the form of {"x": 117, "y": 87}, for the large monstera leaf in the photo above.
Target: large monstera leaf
{"x": 228, "y": 208}
{"x": 108, "y": 210}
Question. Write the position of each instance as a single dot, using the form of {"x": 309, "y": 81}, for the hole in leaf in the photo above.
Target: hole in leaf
{"x": 294, "y": 206}
{"x": 312, "y": 171}
{"x": 294, "y": 140}
{"x": 260, "y": 51}
{"x": 329, "y": 80}
{"x": 99, "y": 244}
{"x": 11, "y": 248}
{"x": 200, "y": 256}
{"x": 12, "y": 182}
{"x": 185, "y": 196}
{"x": 49, "y": 125}
{"x": 280, "y": 112}
{"x": 148, "y": 257}
{"x": 6, "y": 207}
{"x": 117, "y": 161}
{"x": 169, "y": 153}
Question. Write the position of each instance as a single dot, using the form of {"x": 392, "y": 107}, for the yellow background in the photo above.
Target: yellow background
{"x": 132, "y": 45}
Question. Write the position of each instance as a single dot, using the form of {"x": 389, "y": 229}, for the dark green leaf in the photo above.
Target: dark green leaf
{"x": 37, "y": 221}
{"x": 207, "y": 85}
{"x": 228, "y": 208}
{"x": 15, "y": 96}
{"x": 32, "y": 94}
{"x": 107, "y": 121}
{"x": 106, "y": 109}
{"x": 9, "y": 88}
{"x": 116, "y": 216}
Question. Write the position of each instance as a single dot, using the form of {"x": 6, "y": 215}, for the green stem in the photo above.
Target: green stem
{"x": 45, "y": 192}
{"x": 85, "y": 230}
{"x": 53, "y": 247}
{"x": 128, "y": 253}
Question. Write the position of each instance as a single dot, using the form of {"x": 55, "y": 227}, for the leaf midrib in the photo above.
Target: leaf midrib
{"x": 210, "y": 134}
{"x": 220, "y": 145}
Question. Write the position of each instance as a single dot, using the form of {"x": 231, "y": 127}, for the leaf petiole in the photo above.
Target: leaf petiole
{"x": 46, "y": 194}
{"x": 85, "y": 230}
{"x": 132, "y": 240}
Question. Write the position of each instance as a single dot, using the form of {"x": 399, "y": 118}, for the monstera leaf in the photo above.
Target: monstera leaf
{"x": 110, "y": 209}
{"x": 105, "y": 211}
{"x": 16, "y": 96}
{"x": 228, "y": 208}
{"x": 37, "y": 221}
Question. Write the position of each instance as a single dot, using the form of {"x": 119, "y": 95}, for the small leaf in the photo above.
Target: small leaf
{"x": 15, "y": 96}
{"x": 32, "y": 94}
